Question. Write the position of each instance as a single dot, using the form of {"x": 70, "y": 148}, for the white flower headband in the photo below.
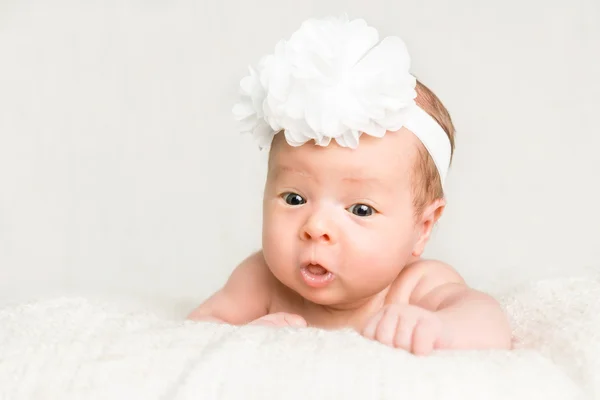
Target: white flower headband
{"x": 334, "y": 79}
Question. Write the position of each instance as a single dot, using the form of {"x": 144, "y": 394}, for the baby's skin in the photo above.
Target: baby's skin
{"x": 342, "y": 247}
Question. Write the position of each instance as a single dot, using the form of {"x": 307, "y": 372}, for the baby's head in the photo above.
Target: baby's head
{"x": 342, "y": 218}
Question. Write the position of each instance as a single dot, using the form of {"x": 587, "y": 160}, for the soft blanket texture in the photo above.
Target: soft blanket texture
{"x": 76, "y": 348}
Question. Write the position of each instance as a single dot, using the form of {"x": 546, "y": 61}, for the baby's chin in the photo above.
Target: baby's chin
{"x": 330, "y": 295}
{"x": 337, "y": 297}
{"x": 323, "y": 297}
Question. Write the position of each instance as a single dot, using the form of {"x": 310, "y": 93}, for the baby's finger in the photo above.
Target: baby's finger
{"x": 264, "y": 321}
{"x": 276, "y": 319}
{"x": 386, "y": 329}
{"x": 294, "y": 320}
{"x": 371, "y": 327}
{"x": 404, "y": 333}
{"x": 424, "y": 337}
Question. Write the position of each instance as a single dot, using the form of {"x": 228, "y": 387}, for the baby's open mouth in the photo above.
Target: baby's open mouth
{"x": 316, "y": 275}
{"x": 316, "y": 269}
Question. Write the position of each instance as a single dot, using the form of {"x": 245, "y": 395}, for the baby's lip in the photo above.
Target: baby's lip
{"x": 315, "y": 263}
{"x": 315, "y": 275}
{"x": 316, "y": 269}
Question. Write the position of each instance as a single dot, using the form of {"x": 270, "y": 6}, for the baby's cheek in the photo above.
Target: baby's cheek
{"x": 273, "y": 244}
{"x": 378, "y": 270}
{"x": 276, "y": 245}
{"x": 377, "y": 263}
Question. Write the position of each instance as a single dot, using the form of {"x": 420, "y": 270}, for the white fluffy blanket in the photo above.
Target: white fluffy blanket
{"x": 72, "y": 348}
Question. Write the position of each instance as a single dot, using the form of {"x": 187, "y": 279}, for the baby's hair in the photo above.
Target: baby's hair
{"x": 426, "y": 182}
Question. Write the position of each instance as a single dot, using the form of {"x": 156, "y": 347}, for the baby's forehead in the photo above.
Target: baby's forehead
{"x": 391, "y": 156}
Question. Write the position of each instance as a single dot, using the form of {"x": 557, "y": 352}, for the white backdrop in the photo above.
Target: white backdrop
{"x": 121, "y": 170}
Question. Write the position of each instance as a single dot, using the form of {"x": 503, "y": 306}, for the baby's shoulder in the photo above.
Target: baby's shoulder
{"x": 264, "y": 284}
{"x": 419, "y": 278}
{"x": 251, "y": 279}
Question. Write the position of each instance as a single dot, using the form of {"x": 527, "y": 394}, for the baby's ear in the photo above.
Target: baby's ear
{"x": 435, "y": 210}
{"x": 430, "y": 215}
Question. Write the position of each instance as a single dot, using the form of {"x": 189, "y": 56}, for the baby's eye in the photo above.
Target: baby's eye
{"x": 362, "y": 210}
{"x": 293, "y": 199}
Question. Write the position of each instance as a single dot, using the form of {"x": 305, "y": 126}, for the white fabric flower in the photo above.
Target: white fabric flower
{"x": 333, "y": 79}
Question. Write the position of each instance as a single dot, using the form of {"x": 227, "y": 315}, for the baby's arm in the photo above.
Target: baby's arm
{"x": 472, "y": 319}
{"x": 244, "y": 298}
{"x": 430, "y": 307}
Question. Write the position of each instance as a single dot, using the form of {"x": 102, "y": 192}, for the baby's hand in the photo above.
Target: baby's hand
{"x": 281, "y": 319}
{"x": 405, "y": 326}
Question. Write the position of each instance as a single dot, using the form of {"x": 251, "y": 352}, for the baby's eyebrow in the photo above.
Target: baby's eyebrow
{"x": 363, "y": 180}
{"x": 366, "y": 184}
{"x": 278, "y": 170}
{"x": 351, "y": 179}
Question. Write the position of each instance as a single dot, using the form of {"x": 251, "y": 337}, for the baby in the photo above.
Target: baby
{"x": 345, "y": 223}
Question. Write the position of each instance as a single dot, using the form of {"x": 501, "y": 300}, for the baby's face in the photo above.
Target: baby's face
{"x": 338, "y": 223}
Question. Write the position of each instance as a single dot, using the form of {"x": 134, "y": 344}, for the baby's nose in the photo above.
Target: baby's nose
{"x": 317, "y": 229}
{"x": 324, "y": 237}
